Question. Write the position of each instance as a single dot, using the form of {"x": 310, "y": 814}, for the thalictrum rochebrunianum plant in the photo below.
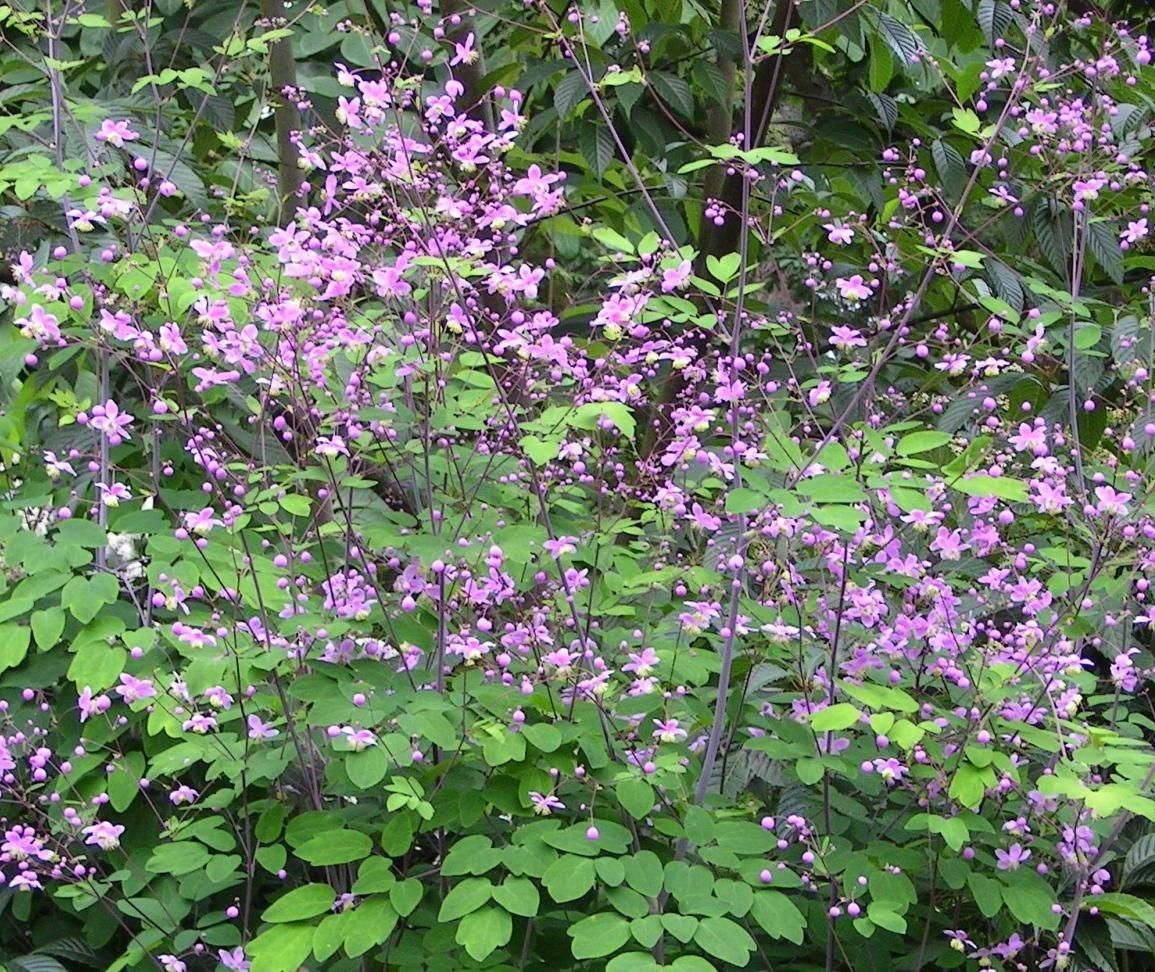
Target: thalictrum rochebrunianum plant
{"x": 362, "y": 611}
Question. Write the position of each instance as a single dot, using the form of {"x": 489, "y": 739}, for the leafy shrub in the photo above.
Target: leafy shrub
{"x": 360, "y": 610}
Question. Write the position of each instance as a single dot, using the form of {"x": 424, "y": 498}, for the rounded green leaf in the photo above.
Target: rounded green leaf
{"x": 335, "y": 847}
{"x": 518, "y": 896}
{"x": 304, "y": 902}
{"x": 483, "y": 932}
{"x": 599, "y": 935}
{"x": 464, "y": 898}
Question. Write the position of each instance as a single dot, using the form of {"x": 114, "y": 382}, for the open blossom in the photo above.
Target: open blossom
{"x": 1135, "y": 231}
{"x": 842, "y": 235}
{"x": 39, "y": 325}
{"x": 853, "y": 288}
{"x": 103, "y": 834}
{"x": 132, "y": 689}
{"x": 56, "y": 467}
{"x": 545, "y": 804}
{"x": 109, "y": 419}
{"x": 202, "y": 523}
{"x": 182, "y": 795}
{"x": 675, "y": 277}
{"x": 1010, "y": 859}
{"x": 234, "y": 960}
{"x": 358, "y": 739}
{"x": 91, "y": 705}
{"x": 115, "y": 132}
{"x": 668, "y": 731}
{"x": 259, "y": 729}
{"x": 1111, "y": 503}
{"x": 846, "y": 338}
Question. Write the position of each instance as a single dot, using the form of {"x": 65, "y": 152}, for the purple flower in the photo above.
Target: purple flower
{"x": 103, "y": 834}
{"x": 1009, "y": 860}
{"x": 110, "y": 420}
{"x": 115, "y": 132}
{"x": 853, "y": 288}
{"x": 545, "y": 804}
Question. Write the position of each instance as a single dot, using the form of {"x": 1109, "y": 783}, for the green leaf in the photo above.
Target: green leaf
{"x": 570, "y": 91}
{"x": 182, "y": 857}
{"x": 465, "y": 898}
{"x": 997, "y": 486}
{"x": 369, "y": 925}
{"x": 1125, "y": 906}
{"x": 335, "y": 847}
{"x": 47, "y": 627}
{"x": 86, "y": 597}
{"x": 810, "y": 770}
{"x": 367, "y": 768}
{"x": 14, "y": 641}
{"x": 885, "y": 917}
{"x": 725, "y": 940}
{"x": 482, "y": 932}
{"x": 916, "y": 442}
{"x": 374, "y": 875}
{"x": 304, "y": 902}
{"x": 841, "y": 715}
{"x": 682, "y": 927}
{"x": 674, "y": 92}
{"x": 405, "y": 896}
{"x": 97, "y": 664}
{"x": 599, "y": 935}
{"x": 725, "y": 268}
{"x": 644, "y": 873}
{"x": 902, "y": 39}
{"x": 569, "y": 878}
{"x": 636, "y": 797}
{"x": 693, "y": 963}
{"x": 474, "y": 854}
{"x": 646, "y": 930}
{"x": 542, "y": 735}
{"x": 1029, "y": 898}
{"x": 778, "y": 916}
{"x": 967, "y": 787}
{"x": 597, "y": 147}
{"x": 633, "y": 962}
{"x": 987, "y": 892}
{"x": 519, "y": 896}
{"x": 699, "y": 824}
{"x": 589, "y": 416}
{"x": 283, "y": 948}
{"x": 831, "y": 488}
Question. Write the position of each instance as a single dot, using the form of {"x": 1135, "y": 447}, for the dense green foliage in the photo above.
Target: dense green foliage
{"x": 624, "y": 486}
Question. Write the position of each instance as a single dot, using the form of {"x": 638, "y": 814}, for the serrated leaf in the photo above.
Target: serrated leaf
{"x": 597, "y": 147}
{"x": 1052, "y": 224}
{"x": 1103, "y": 242}
{"x": 569, "y": 92}
{"x": 994, "y": 17}
{"x": 952, "y": 170}
{"x": 674, "y": 92}
{"x": 901, "y": 39}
